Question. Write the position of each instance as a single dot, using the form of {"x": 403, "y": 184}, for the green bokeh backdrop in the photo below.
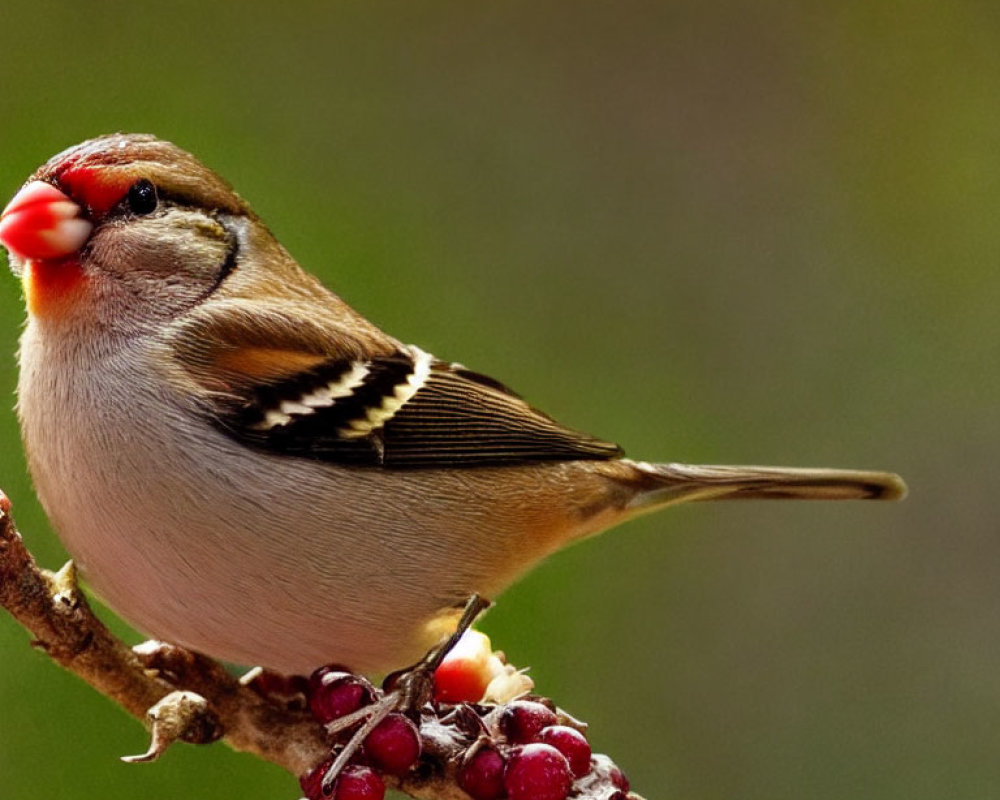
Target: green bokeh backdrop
{"x": 721, "y": 232}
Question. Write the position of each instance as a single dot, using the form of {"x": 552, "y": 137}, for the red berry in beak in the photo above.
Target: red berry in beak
{"x": 42, "y": 223}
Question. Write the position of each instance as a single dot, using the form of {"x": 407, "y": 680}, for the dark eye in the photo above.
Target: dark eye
{"x": 142, "y": 197}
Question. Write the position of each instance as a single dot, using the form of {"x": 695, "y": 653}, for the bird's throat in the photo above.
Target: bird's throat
{"x": 50, "y": 287}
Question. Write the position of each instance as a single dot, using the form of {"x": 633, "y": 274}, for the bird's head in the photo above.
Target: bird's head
{"x": 122, "y": 230}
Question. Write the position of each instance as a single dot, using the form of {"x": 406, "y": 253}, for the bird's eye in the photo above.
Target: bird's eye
{"x": 142, "y": 197}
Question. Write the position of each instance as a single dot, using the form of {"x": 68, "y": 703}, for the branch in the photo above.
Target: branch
{"x": 52, "y": 608}
{"x": 184, "y": 696}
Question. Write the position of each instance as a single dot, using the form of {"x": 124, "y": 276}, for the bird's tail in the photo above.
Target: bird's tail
{"x": 666, "y": 484}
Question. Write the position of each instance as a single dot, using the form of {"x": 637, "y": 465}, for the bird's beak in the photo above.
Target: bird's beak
{"x": 43, "y": 223}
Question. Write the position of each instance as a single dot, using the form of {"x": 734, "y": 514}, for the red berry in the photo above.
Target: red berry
{"x": 482, "y": 775}
{"x": 537, "y": 772}
{"x": 358, "y": 783}
{"x": 333, "y": 694}
{"x": 467, "y": 670}
{"x": 288, "y": 690}
{"x": 312, "y": 781}
{"x": 460, "y": 680}
{"x": 618, "y": 779}
{"x": 394, "y": 744}
{"x": 522, "y": 720}
{"x": 604, "y": 767}
{"x": 571, "y": 743}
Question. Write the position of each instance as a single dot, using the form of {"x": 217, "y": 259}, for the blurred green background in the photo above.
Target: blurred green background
{"x": 716, "y": 232}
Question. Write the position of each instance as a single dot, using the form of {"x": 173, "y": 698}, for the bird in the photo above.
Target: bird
{"x": 242, "y": 464}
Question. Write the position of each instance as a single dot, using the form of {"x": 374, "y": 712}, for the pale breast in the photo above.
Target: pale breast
{"x": 254, "y": 558}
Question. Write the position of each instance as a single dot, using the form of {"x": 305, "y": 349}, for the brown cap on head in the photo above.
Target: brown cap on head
{"x": 98, "y": 173}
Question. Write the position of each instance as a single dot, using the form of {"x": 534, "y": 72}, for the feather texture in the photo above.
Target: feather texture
{"x": 402, "y": 411}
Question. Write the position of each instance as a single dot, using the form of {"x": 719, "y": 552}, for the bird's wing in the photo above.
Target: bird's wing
{"x": 405, "y": 410}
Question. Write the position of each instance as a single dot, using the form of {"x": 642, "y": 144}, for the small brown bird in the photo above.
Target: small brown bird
{"x": 242, "y": 464}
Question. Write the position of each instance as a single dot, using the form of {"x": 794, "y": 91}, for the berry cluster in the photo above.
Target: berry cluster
{"x": 520, "y": 750}
{"x": 528, "y": 751}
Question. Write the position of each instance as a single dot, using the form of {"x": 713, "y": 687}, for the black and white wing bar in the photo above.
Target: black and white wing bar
{"x": 404, "y": 411}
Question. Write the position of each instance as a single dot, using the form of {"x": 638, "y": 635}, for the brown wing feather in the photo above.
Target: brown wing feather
{"x": 454, "y": 418}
